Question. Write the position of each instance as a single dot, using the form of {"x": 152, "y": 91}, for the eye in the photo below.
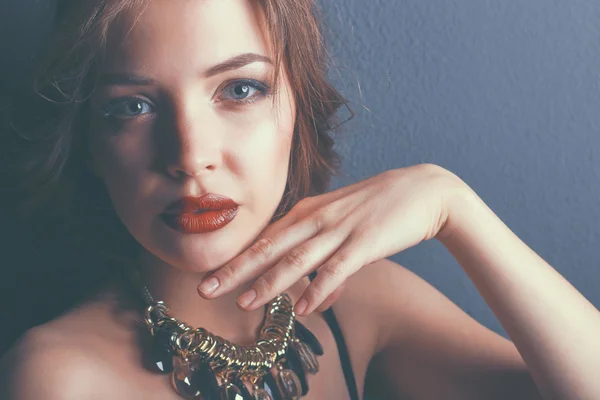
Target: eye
{"x": 125, "y": 108}
{"x": 245, "y": 91}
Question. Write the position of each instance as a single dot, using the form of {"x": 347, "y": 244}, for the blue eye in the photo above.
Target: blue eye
{"x": 130, "y": 107}
{"x": 246, "y": 91}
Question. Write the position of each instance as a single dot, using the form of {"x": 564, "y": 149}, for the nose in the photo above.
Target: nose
{"x": 194, "y": 149}
{"x": 192, "y": 163}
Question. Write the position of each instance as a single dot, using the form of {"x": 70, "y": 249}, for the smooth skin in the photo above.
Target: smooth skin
{"x": 182, "y": 130}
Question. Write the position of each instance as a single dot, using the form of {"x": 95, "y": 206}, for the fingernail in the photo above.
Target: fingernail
{"x": 209, "y": 285}
{"x": 300, "y": 306}
{"x": 245, "y": 299}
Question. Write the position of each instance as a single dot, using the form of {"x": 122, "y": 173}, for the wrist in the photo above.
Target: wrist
{"x": 461, "y": 207}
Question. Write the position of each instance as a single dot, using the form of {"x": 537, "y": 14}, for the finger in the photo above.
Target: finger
{"x": 257, "y": 258}
{"x": 292, "y": 267}
{"x": 345, "y": 262}
{"x": 332, "y": 298}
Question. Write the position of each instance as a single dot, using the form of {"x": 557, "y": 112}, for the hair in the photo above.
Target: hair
{"x": 57, "y": 193}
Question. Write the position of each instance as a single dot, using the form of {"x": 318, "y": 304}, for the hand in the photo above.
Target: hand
{"x": 338, "y": 233}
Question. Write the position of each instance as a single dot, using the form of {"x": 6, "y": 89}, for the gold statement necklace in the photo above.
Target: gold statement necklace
{"x": 204, "y": 366}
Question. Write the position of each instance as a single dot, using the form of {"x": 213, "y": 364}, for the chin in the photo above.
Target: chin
{"x": 202, "y": 252}
{"x": 198, "y": 252}
{"x": 190, "y": 258}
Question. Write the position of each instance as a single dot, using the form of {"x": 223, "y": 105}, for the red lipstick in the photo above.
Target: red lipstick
{"x": 200, "y": 214}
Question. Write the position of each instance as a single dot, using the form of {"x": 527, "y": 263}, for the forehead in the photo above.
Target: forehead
{"x": 198, "y": 32}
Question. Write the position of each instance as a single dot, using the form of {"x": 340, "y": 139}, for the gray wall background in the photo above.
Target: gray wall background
{"x": 505, "y": 94}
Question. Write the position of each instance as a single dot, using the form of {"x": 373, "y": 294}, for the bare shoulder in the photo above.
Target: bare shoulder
{"x": 366, "y": 309}
{"x": 63, "y": 359}
{"x": 44, "y": 365}
{"x": 427, "y": 346}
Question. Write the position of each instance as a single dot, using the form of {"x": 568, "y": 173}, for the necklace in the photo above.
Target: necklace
{"x": 204, "y": 366}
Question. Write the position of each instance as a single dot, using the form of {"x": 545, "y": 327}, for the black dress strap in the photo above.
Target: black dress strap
{"x": 332, "y": 321}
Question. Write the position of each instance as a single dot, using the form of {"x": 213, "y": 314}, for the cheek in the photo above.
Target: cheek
{"x": 263, "y": 154}
{"x": 120, "y": 162}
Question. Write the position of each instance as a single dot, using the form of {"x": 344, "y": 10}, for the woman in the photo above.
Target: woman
{"x": 202, "y": 128}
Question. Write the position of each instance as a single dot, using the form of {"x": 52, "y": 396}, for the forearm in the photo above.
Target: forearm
{"x": 554, "y": 327}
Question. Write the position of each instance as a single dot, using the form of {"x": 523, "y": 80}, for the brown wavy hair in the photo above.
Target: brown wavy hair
{"x": 47, "y": 169}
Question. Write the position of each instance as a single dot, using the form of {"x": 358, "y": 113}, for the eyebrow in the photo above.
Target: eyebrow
{"x": 232, "y": 63}
{"x": 235, "y": 63}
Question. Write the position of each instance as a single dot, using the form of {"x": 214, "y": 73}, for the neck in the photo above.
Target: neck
{"x": 177, "y": 288}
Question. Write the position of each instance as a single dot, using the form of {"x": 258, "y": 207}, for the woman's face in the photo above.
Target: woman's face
{"x": 166, "y": 125}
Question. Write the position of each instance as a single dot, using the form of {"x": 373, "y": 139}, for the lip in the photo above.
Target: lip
{"x": 200, "y": 214}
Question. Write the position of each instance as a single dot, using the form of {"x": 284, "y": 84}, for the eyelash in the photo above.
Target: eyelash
{"x": 262, "y": 90}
